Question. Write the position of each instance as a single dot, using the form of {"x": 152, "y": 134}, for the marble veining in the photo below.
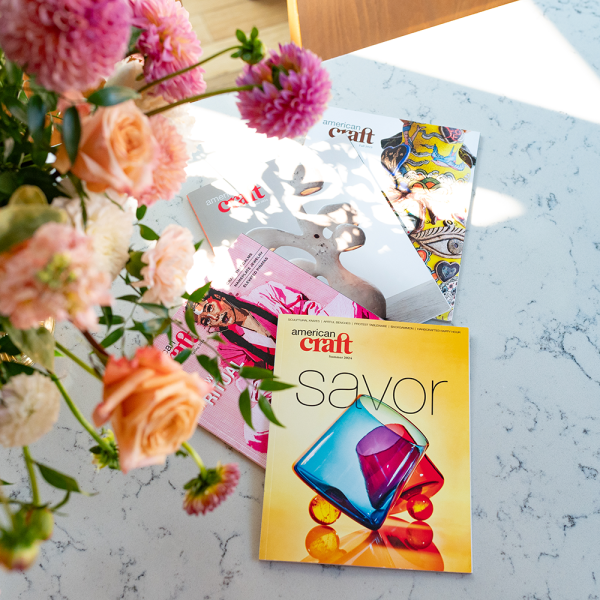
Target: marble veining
{"x": 526, "y": 76}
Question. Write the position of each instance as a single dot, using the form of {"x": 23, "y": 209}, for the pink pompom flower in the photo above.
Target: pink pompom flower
{"x": 169, "y": 45}
{"x": 66, "y": 44}
{"x": 210, "y": 488}
{"x": 292, "y": 93}
{"x": 53, "y": 274}
{"x": 172, "y": 158}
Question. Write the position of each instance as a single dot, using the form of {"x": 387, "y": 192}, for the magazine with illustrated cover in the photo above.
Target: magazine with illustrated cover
{"x": 250, "y": 288}
{"x": 373, "y": 466}
{"x": 426, "y": 173}
{"x": 331, "y": 220}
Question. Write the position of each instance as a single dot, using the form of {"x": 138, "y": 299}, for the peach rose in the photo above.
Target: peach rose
{"x": 153, "y": 406}
{"x": 117, "y": 150}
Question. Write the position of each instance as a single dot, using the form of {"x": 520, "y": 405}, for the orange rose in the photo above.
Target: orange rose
{"x": 116, "y": 150}
{"x": 153, "y": 405}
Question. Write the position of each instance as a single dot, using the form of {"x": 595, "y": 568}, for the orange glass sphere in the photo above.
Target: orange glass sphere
{"x": 420, "y": 507}
{"x": 322, "y": 512}
{"x": 419, "y": 535}
{"x": 322, "y": 542}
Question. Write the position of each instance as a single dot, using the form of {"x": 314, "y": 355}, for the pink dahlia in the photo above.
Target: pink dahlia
{"x": 210, "y": 488}
{"x": 172, "y": 158}
{"x": 66, "y": 44}
{"x": 53, "y": 274}
{"x": 169, "y": 45}
{"x": 292, "y": 93}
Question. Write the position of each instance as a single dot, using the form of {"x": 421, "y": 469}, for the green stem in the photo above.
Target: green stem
{"x": 77, "y": 360}
{"x": 196, "y": 458}
{"x": 185, "y": 70}
{"x": 5, "y": 503}
{"x": 62, "y": 502}
{"x": 77, "y": 414}
{"x": 34, "y": 488}
{"x": 242, "y": 88}
{"x": 101, "y": 352}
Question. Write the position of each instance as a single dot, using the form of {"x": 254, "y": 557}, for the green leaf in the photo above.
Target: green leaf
{"x": 38, "y": 344}
{"x": 254, "y": 33}
{"x": 111, "y": 95}
{"x": 183, "y": 356}
{"x": 135, "y": 265}
{"x": 255, "y": 373}
{"x": 198, "y": 244}
{"x": 147, "y": 233}
{"x": 8, "y": 347}
{"x": 107, "y": 317}
{"x": 59, "y": 480}
{"x": 113, "y": 337}
{"x": 58, "y": 354}
{"x": 36, "y": 118}
{"x": 13, "y": 72}
{"x": 151, "y": 327}
{"x": 157, "y": 309}
{"x": 8, "y": 182}
{"x": 116, "y": 320}
{"x": 2, "y": 482}
{"x": 267, "y": 410}
{"x": 217, "y": 338}
{"x": 245, "y": 407}
{"x": 71, "y": 132}
{"x": 200, "y": 293}
{"x": 140, "y": 212}
{"x": 11, "y": 369}
{"x": 240, "y": 35}
{"x": 133, "y": 39}
{"x": 189, "y": 319}
{"x": 271, "y": 385}
{"x": 129, "y": 298}
{"x": 16, "y": 108}
{"x": 19, "y": 222}
{"x": 211, "y": 366}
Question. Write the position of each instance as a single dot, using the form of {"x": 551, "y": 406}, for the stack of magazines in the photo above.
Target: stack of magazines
{"x": 325, "y": 262}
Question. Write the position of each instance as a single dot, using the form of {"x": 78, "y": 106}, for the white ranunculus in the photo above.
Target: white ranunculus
{"x": 29, "y": 407}
{"x": 109, "y": 224}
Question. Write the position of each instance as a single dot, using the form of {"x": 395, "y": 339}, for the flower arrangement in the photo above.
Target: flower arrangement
{"x": 92, "y": 133}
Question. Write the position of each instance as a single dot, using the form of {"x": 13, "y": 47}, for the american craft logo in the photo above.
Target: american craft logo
{"x": 312, "y": 341}
{"x": 354, "y": 132}
{"x": 226, "y": 202}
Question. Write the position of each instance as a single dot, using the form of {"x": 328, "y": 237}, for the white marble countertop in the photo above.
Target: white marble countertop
{"x": 526, "y": 76}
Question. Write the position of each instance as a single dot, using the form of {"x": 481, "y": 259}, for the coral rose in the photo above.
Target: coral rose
{"x": 117, "y": 150}
{"x": 153, "y": 405}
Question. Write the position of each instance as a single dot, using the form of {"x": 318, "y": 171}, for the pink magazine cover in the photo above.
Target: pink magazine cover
{"x": 253, "y": 287}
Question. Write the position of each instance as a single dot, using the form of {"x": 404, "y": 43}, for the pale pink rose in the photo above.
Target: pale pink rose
{"x": 153, "y": 406}
{"x": 167, "y": 266}
{"x": 117, "y": 150}
{"x": 53, "y": 274}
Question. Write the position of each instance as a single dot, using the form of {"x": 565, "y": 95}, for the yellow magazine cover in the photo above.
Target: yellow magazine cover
{"x": 372, "y": 467}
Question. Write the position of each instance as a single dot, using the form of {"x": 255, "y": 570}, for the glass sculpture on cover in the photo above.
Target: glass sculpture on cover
{"x": 363, "y": 461}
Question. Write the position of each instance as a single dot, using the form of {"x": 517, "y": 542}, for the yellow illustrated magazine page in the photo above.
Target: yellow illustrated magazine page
{"x": 372, "y": 467}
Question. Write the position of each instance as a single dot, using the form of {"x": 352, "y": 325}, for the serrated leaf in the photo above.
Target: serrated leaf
{"x": 200, "y": 293}
{"x": 211, "y": 366}
{"x": 113, "y": 337}
{"x": 38, "y": 344}
{"x": 189, "y": 319}
{"x": 111, "y": 95}
{"x": 36, "y": 118}
{"x": 20, "y": 221}
{"x": 71, "y": 132}
{"x": 255, "y": 373}
{"x": 147, "y": 233}
{"x": 246, "y": 408}
{"x": 272, "y": 385}
{"x": 267, "y": 410}
{"x": 140, "y": 212}
{"x": 183, "y": 356}
{"x": 59, "y": 480}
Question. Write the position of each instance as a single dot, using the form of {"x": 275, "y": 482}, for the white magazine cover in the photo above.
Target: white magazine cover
{"x": 327, "y": 215}
{"x": 426, "y": 173}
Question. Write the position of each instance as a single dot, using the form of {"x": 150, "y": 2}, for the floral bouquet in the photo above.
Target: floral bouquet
{"x": 93, "y": 125}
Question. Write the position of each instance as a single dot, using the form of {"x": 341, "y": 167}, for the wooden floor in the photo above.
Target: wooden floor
{"x": 215, "y": 22}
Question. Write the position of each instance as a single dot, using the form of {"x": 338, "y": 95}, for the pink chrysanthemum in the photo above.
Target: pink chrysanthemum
{"x": 169, "y": 45}
{"x": 53, "y": 274}
{"x": 66, "y": 44}
{"x": 293, "y": 92}
{"x": 169, "y": 173}
{"x": 206, "y": 492}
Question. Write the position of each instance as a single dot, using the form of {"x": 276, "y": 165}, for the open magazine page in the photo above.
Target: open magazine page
{"x": 250, "y": 288}
{"x": 425, "y": 171}
{"x": 325, "y": 214}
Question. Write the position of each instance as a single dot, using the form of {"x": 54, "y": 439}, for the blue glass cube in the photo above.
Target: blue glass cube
{"x": 362, "y": 462}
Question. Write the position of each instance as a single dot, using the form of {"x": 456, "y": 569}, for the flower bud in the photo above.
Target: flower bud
{"x": 41, "y": 523}
{"x": 16, "y": 555}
